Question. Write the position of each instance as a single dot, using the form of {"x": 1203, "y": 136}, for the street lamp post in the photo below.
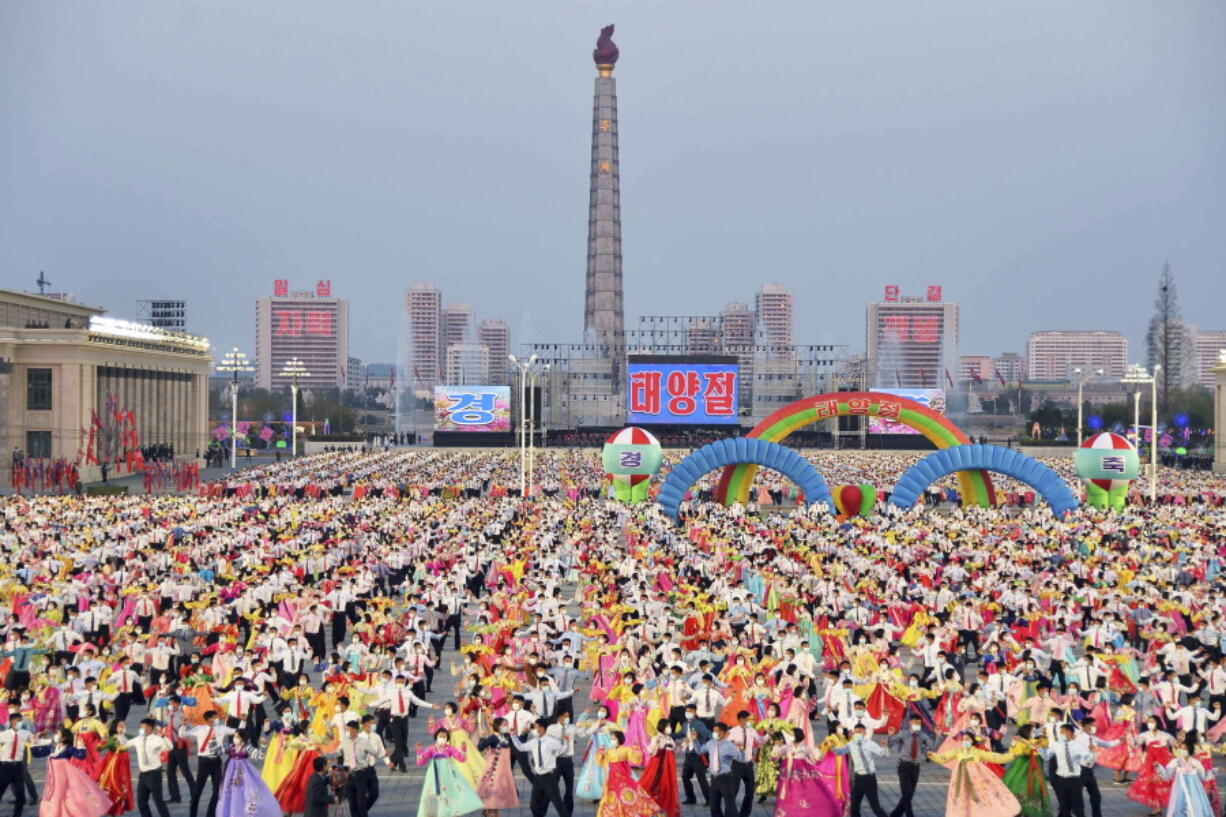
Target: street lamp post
{"x": 1080, "y": 383}
{"x": 1139, "y": 377}
{"x": 527, "y": 379}
{"x": 534, "y": 420}
{"x": 1153, "y": 442}
{"x": 234, "y": 361}
{"x": 294, "y": 369}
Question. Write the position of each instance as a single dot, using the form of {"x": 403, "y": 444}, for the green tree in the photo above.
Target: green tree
{"x": 1166, "y": 341}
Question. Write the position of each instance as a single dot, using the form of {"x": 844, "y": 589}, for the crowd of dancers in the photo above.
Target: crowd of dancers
{"x": 272, "y": 645}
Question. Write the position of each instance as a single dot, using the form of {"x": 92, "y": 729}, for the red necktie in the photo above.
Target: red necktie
{"x": 914, "y": 747}
{"x": 16, "y": 740}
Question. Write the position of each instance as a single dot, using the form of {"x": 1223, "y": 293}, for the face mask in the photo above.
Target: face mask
{"x": 1151, "y": 726}
{"x": 1051, "y": 719}
{"x": 504, "y": 729}
{"x": 966, "y": 744}
{"x": 915, "y": 727}
{"x": 858, "y": 738}
{"x": 440, "y": 742}
{"x": 789, "y": 738}
{"x": 515, "y": 707}
{"x": 689, "y": 716}
{"x": 913, "y": 683}
{"x": 1182, "y": 753}
{"x": 975, "y": 724}
{"x": 1090, "y": 730}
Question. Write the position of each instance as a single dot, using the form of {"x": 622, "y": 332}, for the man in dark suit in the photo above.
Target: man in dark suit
{"x": 319, "y": 791}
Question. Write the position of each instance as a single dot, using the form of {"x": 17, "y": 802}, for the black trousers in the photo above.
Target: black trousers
{"x": 676, "y": 717}
{"x": 176, "y": 764}
{"x": 544, "y": 792}
{"x": 419, "y": 689}
{"x": 399, "y": 726}
{"x": 31, "y": 789}
{"x": 1068, "y": 796}
{"x": 369, "y": 780}
{"x": 149, "y": 784}
{"x": 525, "y": 763}
{"x": 864, "y": 787}
{"x": 1089, "y": 784}
{"x": 355, "y": 791}
{"x": 318, "y": 644}
{"x": 723, "y": 795}
{"x": 453, "y": 625}
{"x": 566, "y": 774}
{"x": 743, "y": 772}
{"x": 122, "y": 706}
{"x": 968, "y": 638}
{"x": 207, "y": 768}
{"x": 692, "y": 767}
{"x": 12, "y": 773}
{"x": 908, "y": 779}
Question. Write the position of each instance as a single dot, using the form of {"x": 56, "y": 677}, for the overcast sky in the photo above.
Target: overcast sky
{"x": 1039, "y": 160}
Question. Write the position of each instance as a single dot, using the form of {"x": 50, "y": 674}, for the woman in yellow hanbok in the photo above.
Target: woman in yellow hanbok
{"x": 458, "y": 729}
{"x": 323, "y": 708}
{"x": 283, "y": 749}
{"x": 915, "y": 630}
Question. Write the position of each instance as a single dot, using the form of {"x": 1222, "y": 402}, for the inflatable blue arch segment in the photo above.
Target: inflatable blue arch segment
{"x": 736, "y": 451}
{"x": 1046, "y": 482}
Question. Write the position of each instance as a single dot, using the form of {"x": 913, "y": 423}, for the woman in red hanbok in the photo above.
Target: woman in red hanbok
{"x": 1149, "y": 789}
{"x": 623, "y": 795}
{"x": 115, "y": 777}
{"x": 659, "y": 778}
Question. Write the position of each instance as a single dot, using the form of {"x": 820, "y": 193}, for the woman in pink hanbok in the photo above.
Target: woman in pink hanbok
{"x": 636, "y": 722}
{"x": 69, "y": 791}
{"x": 798, "y": 709}
{"x": 802, "y": 791}
{"x": 832, "y": 769}
{"x": 975, "y": 790}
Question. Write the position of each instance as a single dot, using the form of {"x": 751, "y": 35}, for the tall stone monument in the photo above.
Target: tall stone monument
{"x": 603, "y": 319}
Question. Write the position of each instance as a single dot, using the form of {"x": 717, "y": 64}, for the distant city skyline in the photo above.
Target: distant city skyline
{"x": 1031, "y": 162}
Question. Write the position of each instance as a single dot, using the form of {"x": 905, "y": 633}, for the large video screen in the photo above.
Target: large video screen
{"x": 695, "y": 390}
{"x": 932, "y": 398}
{"x": 472, "y": 408}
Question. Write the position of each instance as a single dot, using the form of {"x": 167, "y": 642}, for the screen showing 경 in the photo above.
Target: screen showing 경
{"x": 472, "y": 408}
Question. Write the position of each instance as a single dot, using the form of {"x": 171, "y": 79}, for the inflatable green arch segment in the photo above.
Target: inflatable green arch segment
{"x": 976, "y": 486}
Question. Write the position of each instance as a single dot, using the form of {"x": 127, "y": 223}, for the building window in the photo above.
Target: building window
{"x": 38, "y": 445}
{"x": 38, "y": 389}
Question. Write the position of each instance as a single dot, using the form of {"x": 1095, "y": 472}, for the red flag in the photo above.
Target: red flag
{"x": 975, "y": 376}
{"x": 1000, "y": 377}
{"x": 949, "y": 379}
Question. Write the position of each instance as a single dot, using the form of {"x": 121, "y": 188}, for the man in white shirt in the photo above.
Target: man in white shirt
{"x": 13, "y": 745}
{"x": 148, "y": 747}
{"x": 708, "y": 701}
{"x": 396, "y": 699}
{"x": 175, "y": 731}
{"x": 377, "y": 753}
{"x": 745, "y": 738}
{"x": 863, "y": 753}
{"x": 542, "y": 751}
{"x": 357, "y": 755}
{"x": 211, "y": 739}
